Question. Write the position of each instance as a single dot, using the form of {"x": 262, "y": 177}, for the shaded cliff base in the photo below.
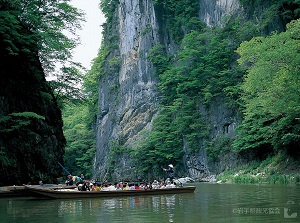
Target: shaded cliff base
{"x": 278, "y": 169}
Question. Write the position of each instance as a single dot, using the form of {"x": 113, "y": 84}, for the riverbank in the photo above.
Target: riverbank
{"x": 278, "y": 169}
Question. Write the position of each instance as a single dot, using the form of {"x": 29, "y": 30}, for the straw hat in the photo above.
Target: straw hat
{"x": 170, "y": 165}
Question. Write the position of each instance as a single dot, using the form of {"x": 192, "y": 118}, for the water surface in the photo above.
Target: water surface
{"x": 209, "y": 203}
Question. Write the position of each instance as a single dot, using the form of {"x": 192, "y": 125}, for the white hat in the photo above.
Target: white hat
{"x": 170, "y": 165}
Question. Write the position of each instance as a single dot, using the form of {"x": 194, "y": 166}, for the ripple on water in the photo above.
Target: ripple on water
{"x": 209, "y": 203}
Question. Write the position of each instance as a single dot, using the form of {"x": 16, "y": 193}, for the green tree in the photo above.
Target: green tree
{"x": 271, "y": 92}
{"x": 108, "y": 8}
{"x": 68, "y": 85}
{"x": 180, "y": 16}
{"x": 80, "y": 148}
{"x": 47, "y": 22}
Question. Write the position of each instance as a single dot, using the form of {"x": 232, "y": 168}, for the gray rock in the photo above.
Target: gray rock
{"x": 128, "y": 94}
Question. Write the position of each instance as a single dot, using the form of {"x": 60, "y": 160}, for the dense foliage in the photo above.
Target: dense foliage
{"x": 108, "y": 7}
{"x": 271, "y": 92}
{"x": 179, "y": 16}
{"x": 205, "y": 70}
{"x": 201, "y": 73}
{"x": 80, "y": 148}
{"x": 32, "y": 42}
{"x": 47, "y": 23}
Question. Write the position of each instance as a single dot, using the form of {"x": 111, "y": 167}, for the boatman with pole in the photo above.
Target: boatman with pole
{"x": 170, "y": 172}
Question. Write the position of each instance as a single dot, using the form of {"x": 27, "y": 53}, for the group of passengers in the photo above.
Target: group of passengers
{"x": 85, "y": 185}
{"x": 98, "y": 186}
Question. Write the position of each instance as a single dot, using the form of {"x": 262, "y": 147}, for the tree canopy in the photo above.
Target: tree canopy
{"x": 49, "y": 24}
{"x": 48, "y": 21}
{"x": 80, "y": 148}
{"x": 271, "y": 91}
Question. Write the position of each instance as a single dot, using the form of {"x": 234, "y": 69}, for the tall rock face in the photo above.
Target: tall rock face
{"x": 31, "y": 137}
{"x": 219, "y": 118}
{"x": 128, "y": 95}
{"x": 213, "y": 13}
{"x": 221, "y": 121}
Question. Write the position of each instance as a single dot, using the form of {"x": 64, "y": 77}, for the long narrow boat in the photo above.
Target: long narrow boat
{"x": 20, "y": 191}
{"x": 11, "y": 191}
{"x": 55, "y": 193}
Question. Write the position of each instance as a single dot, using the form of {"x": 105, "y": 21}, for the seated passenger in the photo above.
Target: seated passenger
{"x": 105, "y": 187}
{"x": 111, "y": 187}
{"x": 162, "y": 185}
{"x": 136, "y": 186}
{"x": 170, "y": 185}
{"x": 86, "y": 186}
{"x": 131, "y": 187}
{"x": 98, "y": 187}
{"x": 155, "y": 184}
{"x": 145, "y": 186}
{"x": 79, "y": 187}
{"x": 142, "y": 186}
{"x": 92, "y": 186}
{"x": 117, "y": 186}
{"x": 126, "y": 186}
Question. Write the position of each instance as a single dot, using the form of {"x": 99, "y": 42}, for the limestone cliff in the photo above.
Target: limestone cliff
{"x": 213, "y": 13}
{"x": 129, "y": 99}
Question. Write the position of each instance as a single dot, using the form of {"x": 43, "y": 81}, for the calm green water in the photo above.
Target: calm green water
{"x": 209, "y": 203}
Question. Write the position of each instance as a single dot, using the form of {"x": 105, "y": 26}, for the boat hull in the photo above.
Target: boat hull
{"x": 51, "y": 193}
{"x": 11, "y": 191}
{"x": 22, "y": 191}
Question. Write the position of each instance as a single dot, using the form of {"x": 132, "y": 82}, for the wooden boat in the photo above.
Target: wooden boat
{"x": 20, "y": 191}
{"x": 11, "y": 191}
{"x": 71, "y": 193}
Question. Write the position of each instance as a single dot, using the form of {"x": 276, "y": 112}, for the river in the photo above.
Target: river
{"x": 209, "y": 203}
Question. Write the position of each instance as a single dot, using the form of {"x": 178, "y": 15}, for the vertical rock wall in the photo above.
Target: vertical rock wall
{"x": 215, "y": 12}
{"x": 128, "y": 97}
{"x": 219, "y": 119}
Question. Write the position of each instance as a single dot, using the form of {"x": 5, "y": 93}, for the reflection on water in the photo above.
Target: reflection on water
{"x": 209, "y": 203}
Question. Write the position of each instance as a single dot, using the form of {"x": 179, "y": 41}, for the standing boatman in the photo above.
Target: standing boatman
{"x": 170, "y": 172}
